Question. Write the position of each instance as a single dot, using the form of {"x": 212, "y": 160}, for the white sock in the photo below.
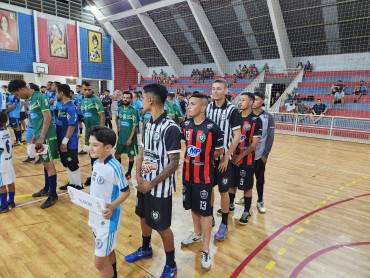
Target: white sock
{"x": 85, "y": 148}
{"x": 70, "y": 176}
{"x": 31, "y": 156}
{"x": 76, "y": 177}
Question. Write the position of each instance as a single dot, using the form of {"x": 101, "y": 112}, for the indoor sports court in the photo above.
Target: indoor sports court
{"x": 309, "y": 59}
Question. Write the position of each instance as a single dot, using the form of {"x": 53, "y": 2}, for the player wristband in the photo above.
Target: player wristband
{"x": 65, "y": 141}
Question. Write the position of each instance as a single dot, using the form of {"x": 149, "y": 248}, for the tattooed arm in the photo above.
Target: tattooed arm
{"x": 168, "y": 171}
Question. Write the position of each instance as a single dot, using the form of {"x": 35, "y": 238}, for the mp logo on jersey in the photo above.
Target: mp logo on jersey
{"x": 203, "y": 194}
{"x": 193, "y": 151}
{"x": 155, "y": 215}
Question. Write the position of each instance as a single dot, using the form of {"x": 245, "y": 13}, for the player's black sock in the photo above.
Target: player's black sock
{"x": 119, "y": 160}
{"x": 212, "y": 210}
{"x": 53, "y": 186}
{"x": 19, "y": 136}
{"x": 115, "y": 269}
{"x": 247, "y": 203}
{"x": 232, "y": 198}
{"x": 170, "y": 258}
{"x": 224, "y": 218}
{"x": 146, "y": 242}
{"x": 80, "y": 130}
{"x": 130, "y": 165}
{"x": 3, "y": 201}
{"x": 260, "y": 191}
{"x": 46, "y": 187}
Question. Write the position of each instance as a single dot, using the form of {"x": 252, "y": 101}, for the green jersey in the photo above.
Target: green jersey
{"x": 128, "y": 119}
{"x": 178, "y": 113}
{"x": 38, "y": 104}
{"x": 168, "y": 107}
{"x": 91, "y": 107}
{"x": 7, "y": 94}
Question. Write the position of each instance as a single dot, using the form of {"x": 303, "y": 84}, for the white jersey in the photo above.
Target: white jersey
{"x": 6, "y": 159}
{"x": 107, "y": 181}
{"x": 3, "y": 98}
{"x": 23, "y": 109}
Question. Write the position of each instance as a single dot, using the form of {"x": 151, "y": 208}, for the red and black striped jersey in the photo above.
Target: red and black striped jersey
{"x": 201, "y": 142}
{"x": 251, "y": 127}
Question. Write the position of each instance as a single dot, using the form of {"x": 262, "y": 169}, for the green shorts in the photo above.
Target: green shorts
{"x": 53, "y": 152}
{"x": 131, "y": 150}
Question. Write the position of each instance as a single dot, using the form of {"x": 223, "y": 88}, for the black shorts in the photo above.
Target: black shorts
{"x": 156, "y": 211}
{"x": 197, "y": 197}
{"x": 222, "y": 179}
{"x": 338, "y": 101}
{"x": 23, "y": 116}
{"x": 69, "y": 158}
{"x": 242, "y": 177}
{"x": 14, "y": 122}
{"x": 81, "y": 118}
{"x": 259, "y": 171}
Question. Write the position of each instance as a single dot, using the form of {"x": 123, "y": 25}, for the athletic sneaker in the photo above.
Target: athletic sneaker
{"x": 139, "y": 254}
{"x": 169, "y": 272}
{"x": 4, "y": 210}
{"x": 240, "y": 201}
{"x": 41, "y": 193}
{"x": 80, "y": 135}
{"x": 29, "y": 159}
{"x": 222, "y": 232}
{"x": 38, "y": 161}
{"x": 11, "y": 205}
{"x": 64, "y": 187}
{"x": 261, "y": 207}
{"x": 191, "y": 239}
{"x": 231, "y": 209}
{"x": 78, "y": 187}
{"x": 49, "y": 202}
{"x": 206, "y": 260}
{"x": 88, "y": 182}
{"x": 82, "y": 152}
{"x": 245, "y": 218}
{"x": 18, "y": 143}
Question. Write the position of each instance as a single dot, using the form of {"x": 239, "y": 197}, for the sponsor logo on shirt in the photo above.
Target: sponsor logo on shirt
{"x": 125, "y": 123}
{"x": 87, "y": 115}
{"x": 242, "y": 138}
{"x": 209, "y": 126}
{"x": 193, "y": 151}
{"x": 155, "y": 215}
{"x": 100, "y": 180}
{"x": 33, "y": 115}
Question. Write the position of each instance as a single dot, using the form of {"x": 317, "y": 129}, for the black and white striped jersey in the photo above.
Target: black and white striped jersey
{"x": 227, "y": 118}
{"x": 160, "y": 138}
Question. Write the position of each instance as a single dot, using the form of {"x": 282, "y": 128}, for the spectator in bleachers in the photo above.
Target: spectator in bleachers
{"x": 275, "y": 98}
{"x": 254, "y": 70}
{"x": 238, "y": 72}
{"x": 154, "y": 75}
{"x": 293, "y": 95}
{"x": 299, "y": 67}
{"x": 211, "y": 73}
{"x": 338, "y": 98}
{"x": 289, "y": 108}
{"x": 162, "y": 74}
{"x": 193, "y": 74}
{"x": 172, "y": 79}
{"x": 235, "y": 77}
{"x": 266, "y": 68}
{"x": 209, "y": 98}
{"x": 339, "y": 87}
{"x": 319, "y": 109}
{"x": 244, "y": 71}
{"x": 360, "y": 90}
{"x": 307, "y": 67}
{"x": 301, "y": 108}
{"x": 202, "y": 75}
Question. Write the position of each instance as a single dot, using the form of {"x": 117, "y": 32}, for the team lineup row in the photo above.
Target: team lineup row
{"x": 224, "y": 147}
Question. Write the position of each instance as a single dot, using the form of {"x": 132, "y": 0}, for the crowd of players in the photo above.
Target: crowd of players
{"x": 224, "y": 146}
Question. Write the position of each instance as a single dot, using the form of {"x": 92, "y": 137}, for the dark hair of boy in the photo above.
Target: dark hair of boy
{"x": 202, "y": 97}
{"x": 65, "y": 89}
{"x": 159, "y": 92}
{"x": 57, "y": 83}
{"x": 250, "y": 95}
{"x": 15, "y": 85}
{"x": 87, "y": 84}
{"x": 128, "y": 93}
{"x": 171, "y": 95}
{"x": 103, "y": 134}
{"x": 34, "y": 87}
{"x": 43, "y": 87}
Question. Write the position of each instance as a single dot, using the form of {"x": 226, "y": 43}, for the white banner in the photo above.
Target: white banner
{"x": 86, "y": 201}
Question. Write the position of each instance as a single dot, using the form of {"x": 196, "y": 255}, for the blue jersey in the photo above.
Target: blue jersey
{"x": 57, "y": 104}
{"x": 176, "y": 101}
{"x": 138, "y": 105}
{"x": 51, "y": 95}
{"x": 79, "y": 98}
{"x": 68, "y": 116}
{"x": 15, "y": 112}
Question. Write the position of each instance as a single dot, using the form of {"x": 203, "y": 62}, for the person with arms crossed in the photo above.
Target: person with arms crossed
{"x": 244, "y": 155}
{"x": 107, "y": 183}
{"x": 158, "y": 160}
{"x": 94, "y": 115}
{"x": 127, "y": 140}
{"x": 44, "y": 133}
{"x": 226, "y": 116}
{"x": 67, "y": 134}
{"x": 204, "y": 142}
{"x": 7, "y": 175}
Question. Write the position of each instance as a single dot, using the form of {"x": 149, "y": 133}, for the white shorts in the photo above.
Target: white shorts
{"x": 7, "y": 177}
{"x": 105, "y": 242}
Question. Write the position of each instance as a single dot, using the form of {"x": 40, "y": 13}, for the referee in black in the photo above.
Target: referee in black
{"x": 226, "y": 116}
{"x": 158, "y": 160}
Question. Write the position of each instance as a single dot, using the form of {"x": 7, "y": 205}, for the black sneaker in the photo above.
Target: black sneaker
{"x": 231, "y": 209}
{"x": 82, "y": 152}
{"x": 49, "y": 202}
{"x": 41, "y": 193}
{"x": 4, "y": 210}
{"x": 245, "y": 218}
{"x": 64, "y": 187}
{"x": 78, "y": 187}
{"x": 88, "y": 182}
{"x": 38, "y": 161}
{"x": 29, "y": 159}
{"x": 11, "y": 205}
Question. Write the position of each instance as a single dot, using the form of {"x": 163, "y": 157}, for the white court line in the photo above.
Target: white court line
{"x": 38, "y": 200}
{"x": 320, "y": 167}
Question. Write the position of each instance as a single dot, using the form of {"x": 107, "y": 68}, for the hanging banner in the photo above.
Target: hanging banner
{"x": 9, "y": 37}
{"x": 95, "y": 47}
{"x": 57, "y": 33}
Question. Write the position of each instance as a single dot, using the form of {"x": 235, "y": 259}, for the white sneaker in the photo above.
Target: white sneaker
{"x": 240, "y": 201}
{"x": 261, "y": 207}
{"x": 206, "y": 261}
{"x": 191, "y": 239}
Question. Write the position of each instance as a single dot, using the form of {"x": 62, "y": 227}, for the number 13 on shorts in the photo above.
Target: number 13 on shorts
{"x": 203, "y": 205}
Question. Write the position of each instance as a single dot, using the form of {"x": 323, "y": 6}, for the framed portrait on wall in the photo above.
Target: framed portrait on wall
{"x": 95, "y": 46}
{"x": 9, "y": 36}
{"x": 58, "y": 45}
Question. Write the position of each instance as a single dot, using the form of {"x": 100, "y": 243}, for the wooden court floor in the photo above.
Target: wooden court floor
{"x": 317, "y": 196}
